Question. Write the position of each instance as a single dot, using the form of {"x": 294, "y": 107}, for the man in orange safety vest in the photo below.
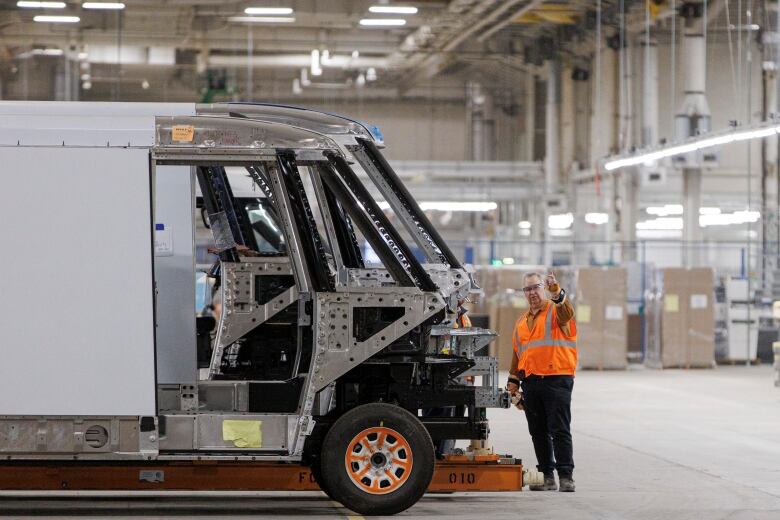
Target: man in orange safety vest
{"x": 544, "y": 363}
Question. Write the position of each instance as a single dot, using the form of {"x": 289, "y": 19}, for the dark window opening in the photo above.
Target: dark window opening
{"x": 367, "y": 321}
{"x": 269, "y": 287}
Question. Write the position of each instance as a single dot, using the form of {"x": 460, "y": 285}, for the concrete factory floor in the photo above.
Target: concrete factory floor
{"x": 648, "y": 444}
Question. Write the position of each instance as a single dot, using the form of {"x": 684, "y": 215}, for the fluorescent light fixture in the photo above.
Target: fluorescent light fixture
{"x": 524, "y": 224}
{"x": 56, "y": 19}
{"x": 390, "y": 9}
{"x": 83, "y": 56}
{"x": 316, "y": 68}
{"x": 355, "y": 55}
{"x": 560, "y": 232}
{"x": 103, "y": 5}
{"x": 693, "y": 145}
{"x": 262, "y": 19}
{"x": 447, "y": 206}
{"x": 560, "y": 221}
{"x": 709, "y": 211}
{"x": 508, "y": 260}
{"x": 597, "y": 218}
{"x": 296, "y": 87}
{"x": 728, "y": 219}
{"x": 269, "y": 11}
{"x": 371, "y": 74}
{"x": 47, "y": 52}
{"x": 665, "y": 210}
{"x": 382, "y": 22}
{"x": 458, "y": 206}
{"x": 40, "y": 5}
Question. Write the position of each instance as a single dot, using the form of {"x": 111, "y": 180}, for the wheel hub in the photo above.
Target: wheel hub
{"x": 379, "y": 460}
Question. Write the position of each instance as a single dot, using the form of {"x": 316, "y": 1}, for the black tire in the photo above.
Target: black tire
{"x": 316, "y": 471}
{"x": 377, "y": 459}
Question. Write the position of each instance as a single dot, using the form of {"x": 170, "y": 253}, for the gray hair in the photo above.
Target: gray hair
{"x": 529, "y": 274}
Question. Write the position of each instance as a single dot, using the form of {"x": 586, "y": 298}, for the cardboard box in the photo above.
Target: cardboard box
{"x": 602, "y": 319}
{"x": 687, "y": 317}
{"x": 635, "y": 333}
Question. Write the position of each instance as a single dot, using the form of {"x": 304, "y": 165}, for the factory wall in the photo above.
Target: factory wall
{"x": 726, "y": 96}
{"x": 433, "y": 130}
{"x": 413, "y": 130}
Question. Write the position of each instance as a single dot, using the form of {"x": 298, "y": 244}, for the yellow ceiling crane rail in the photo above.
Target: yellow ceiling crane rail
{"x": 560, "y": 14}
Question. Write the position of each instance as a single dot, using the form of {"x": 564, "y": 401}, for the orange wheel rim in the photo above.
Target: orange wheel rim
{"x": 378, "y": 460}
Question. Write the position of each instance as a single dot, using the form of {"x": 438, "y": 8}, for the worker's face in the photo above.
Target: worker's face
{"x": 534, "y": 291}
{"x": 217, "y": 310}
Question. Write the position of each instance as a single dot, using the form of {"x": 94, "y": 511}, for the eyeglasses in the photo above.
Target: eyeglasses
{"x": 532, "y": 288}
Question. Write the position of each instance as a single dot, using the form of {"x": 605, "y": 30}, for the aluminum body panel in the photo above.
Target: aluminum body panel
{"x": 82, "y": 436}
{"x": 338, "y": 351}
{"x": 173, "y": 269}
{"x": 242, "y": 312}
{"x": 211, "y": 134}
{"x": 46, "y": 123}
{"x": 78, "y": 337}
{"x": 209, "y": 432}
{"x": 338, "y": 127}
{"x": 223, "y": 396}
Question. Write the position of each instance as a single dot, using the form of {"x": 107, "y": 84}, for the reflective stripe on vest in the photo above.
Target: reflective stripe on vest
{"x": 548, "y": 340}
{"x": 570, "y": 345}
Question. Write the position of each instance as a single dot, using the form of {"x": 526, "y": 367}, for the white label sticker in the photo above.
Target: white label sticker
{"x": 698, "y": 301}
{"x": 163, "y": 240}
{"x": 614, "y": 312}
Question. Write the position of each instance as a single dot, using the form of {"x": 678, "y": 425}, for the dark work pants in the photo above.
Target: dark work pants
{"x": 547, "y": 403}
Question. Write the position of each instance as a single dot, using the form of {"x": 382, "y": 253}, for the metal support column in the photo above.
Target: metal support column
{"x": 530, "y": 116}
{"x": 552, "y": 155}
{"x": 691, "y": 205}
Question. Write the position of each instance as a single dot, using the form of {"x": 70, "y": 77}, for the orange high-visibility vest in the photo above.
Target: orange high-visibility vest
{"x": 546, "y": 349}
{"x": 462, "y": 322}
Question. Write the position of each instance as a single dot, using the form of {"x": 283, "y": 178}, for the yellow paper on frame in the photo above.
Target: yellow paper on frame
{"x": 583, "y": 314}
{"x": 671, "y": 303}
{"x": 244, "y": 434}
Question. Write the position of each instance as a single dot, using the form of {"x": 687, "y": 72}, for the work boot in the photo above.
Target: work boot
{"x": 567, "y": 484}
{"x": 549, "y": 484}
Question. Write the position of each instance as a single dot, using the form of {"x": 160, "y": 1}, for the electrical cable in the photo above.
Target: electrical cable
{"x": 731, "y": 50}
{"x": 597, "y": 77}
{"x": 673, "y": 50}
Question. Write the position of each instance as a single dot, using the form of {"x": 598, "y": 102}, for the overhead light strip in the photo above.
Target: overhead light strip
{"x": 698, "y": 143}
{"x": 389, "y": 9}
{"x": 448, "y": 206}
{"x": 382, "y": 22}
{"x": 56, "y": 19}
{"x": 48, "y": 52}
{"x": 262, "y": 19}
{"x": 40, "y": 5}
{"x": 269, "y": 11}
{"x": 116, "y": 6}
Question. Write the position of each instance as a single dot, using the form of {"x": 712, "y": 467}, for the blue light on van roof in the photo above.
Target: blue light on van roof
{"x": 376, "y": 133}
